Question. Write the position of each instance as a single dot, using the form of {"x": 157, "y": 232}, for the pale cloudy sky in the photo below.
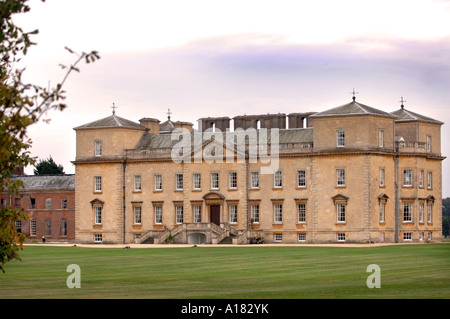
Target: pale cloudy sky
{"x": 225, "y": 58}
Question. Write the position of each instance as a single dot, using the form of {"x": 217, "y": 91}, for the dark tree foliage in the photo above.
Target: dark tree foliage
{"x": 48, "y": 167}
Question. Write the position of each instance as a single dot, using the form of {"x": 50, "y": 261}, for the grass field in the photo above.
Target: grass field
{"x": 407, "y": 271}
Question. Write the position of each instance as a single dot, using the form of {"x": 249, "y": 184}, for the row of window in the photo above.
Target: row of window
{"x": 48, "y": 203}
{"x": 340, "y": 139}
{"x": 214, "y": 181}
{"x": 408, "y": 180}
{"x": 47, "y": 225}
{"x": 341, "y": 213}
{"x": 197, "y": 210}
{"x": 277, "y": 180}
{"x": 408, "y": 212}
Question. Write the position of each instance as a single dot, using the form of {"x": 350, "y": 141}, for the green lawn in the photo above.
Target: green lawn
{"x": 407, "y": 271}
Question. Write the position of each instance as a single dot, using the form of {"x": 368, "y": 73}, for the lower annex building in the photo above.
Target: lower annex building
{"x": 352, "y": 173}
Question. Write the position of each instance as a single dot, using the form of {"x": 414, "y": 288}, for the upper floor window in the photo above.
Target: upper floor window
{"x": 179, "y": 181}
{"x": 301, "y": 178}
{"x": 255, "y": 180}
{"x": 382, "y": 177}
{"x": 340, "y": 138}
{"x": 430, "y": 180}
{"x": 407, "y": 177}
{"x": 158, "y": 182}
{"x": 48, "y": 203}
{"x": 421, "y": 177}
{"x": 98, "y": 148}
{"x": 214, "y": 180}
{"x": 278, "y": 179}
{"x": 63, "y": 202}
{"x": 428, "y": 143}
{"x": 97, "y": 183}
{"x": 233, "y": 180}
{"x": 137, "y": 183}
{"x": 380, "y": 138}
{"x": 197, "y": 181}
{"x": 340, "y": 176}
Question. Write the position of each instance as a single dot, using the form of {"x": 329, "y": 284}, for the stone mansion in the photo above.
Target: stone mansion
{"x": 352, "y": 173}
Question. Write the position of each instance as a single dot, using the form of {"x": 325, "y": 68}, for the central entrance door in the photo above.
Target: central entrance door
{"x": 215, "y": 214}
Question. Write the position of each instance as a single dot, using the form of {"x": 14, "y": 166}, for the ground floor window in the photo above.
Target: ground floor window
{"x": 32, "y": 228}
{"x": 197, "y": 214}
{"x": 407, "y": 236}
{"x": 341, "y": 236}
{"x": 98, "y": 238}
{"x": 278, "y": 238}
{"x": 179, "y": 214}
{"x": 19, "y": 226}
{"x": 63, "y": 227}
{"x": 158, "y": 214}
{"x": 233, "y": 213}
{"x": 48, "y": 228}
{"x": 255, "y": 213}
{"x": 301, "y": 237}
{"x": 137, "y": 214}
{"x": 301, "y": 210}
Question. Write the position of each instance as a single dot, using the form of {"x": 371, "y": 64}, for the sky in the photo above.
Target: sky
{"x": 203, "y": 58}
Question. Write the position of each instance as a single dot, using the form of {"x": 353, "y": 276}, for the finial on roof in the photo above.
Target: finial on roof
{"x": 403, "y": 103}
{"x": 354, "y": 94}
{"x": 113, "y": 109}
{"x": 168, "y": 114}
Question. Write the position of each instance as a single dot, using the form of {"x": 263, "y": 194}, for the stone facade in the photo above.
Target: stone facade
{"x": 349, "y": 174}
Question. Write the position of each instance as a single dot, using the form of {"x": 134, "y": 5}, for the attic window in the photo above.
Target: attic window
{"x": 340, "y": 138}
{"x": 98, "y": 148}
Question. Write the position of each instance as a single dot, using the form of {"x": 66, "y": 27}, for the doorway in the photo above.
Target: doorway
{"x": 215, "y": 214}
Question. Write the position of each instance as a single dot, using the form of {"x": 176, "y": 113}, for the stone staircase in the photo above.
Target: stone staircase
{"x": 215, "y": 234}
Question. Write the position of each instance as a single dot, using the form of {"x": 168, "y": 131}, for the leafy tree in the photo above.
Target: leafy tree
{"x": 21, "y": 105}
{"x": 48, "y": 167}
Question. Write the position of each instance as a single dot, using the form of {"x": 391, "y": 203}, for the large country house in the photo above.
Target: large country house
{"x": 351, "y": 174}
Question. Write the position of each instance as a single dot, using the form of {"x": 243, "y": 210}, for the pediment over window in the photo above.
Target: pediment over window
{"x": 339, "y": 198}
{"x": 430, "y": 198}
{"x": 97, "y": 202}
{"x": 382, "y": 198}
